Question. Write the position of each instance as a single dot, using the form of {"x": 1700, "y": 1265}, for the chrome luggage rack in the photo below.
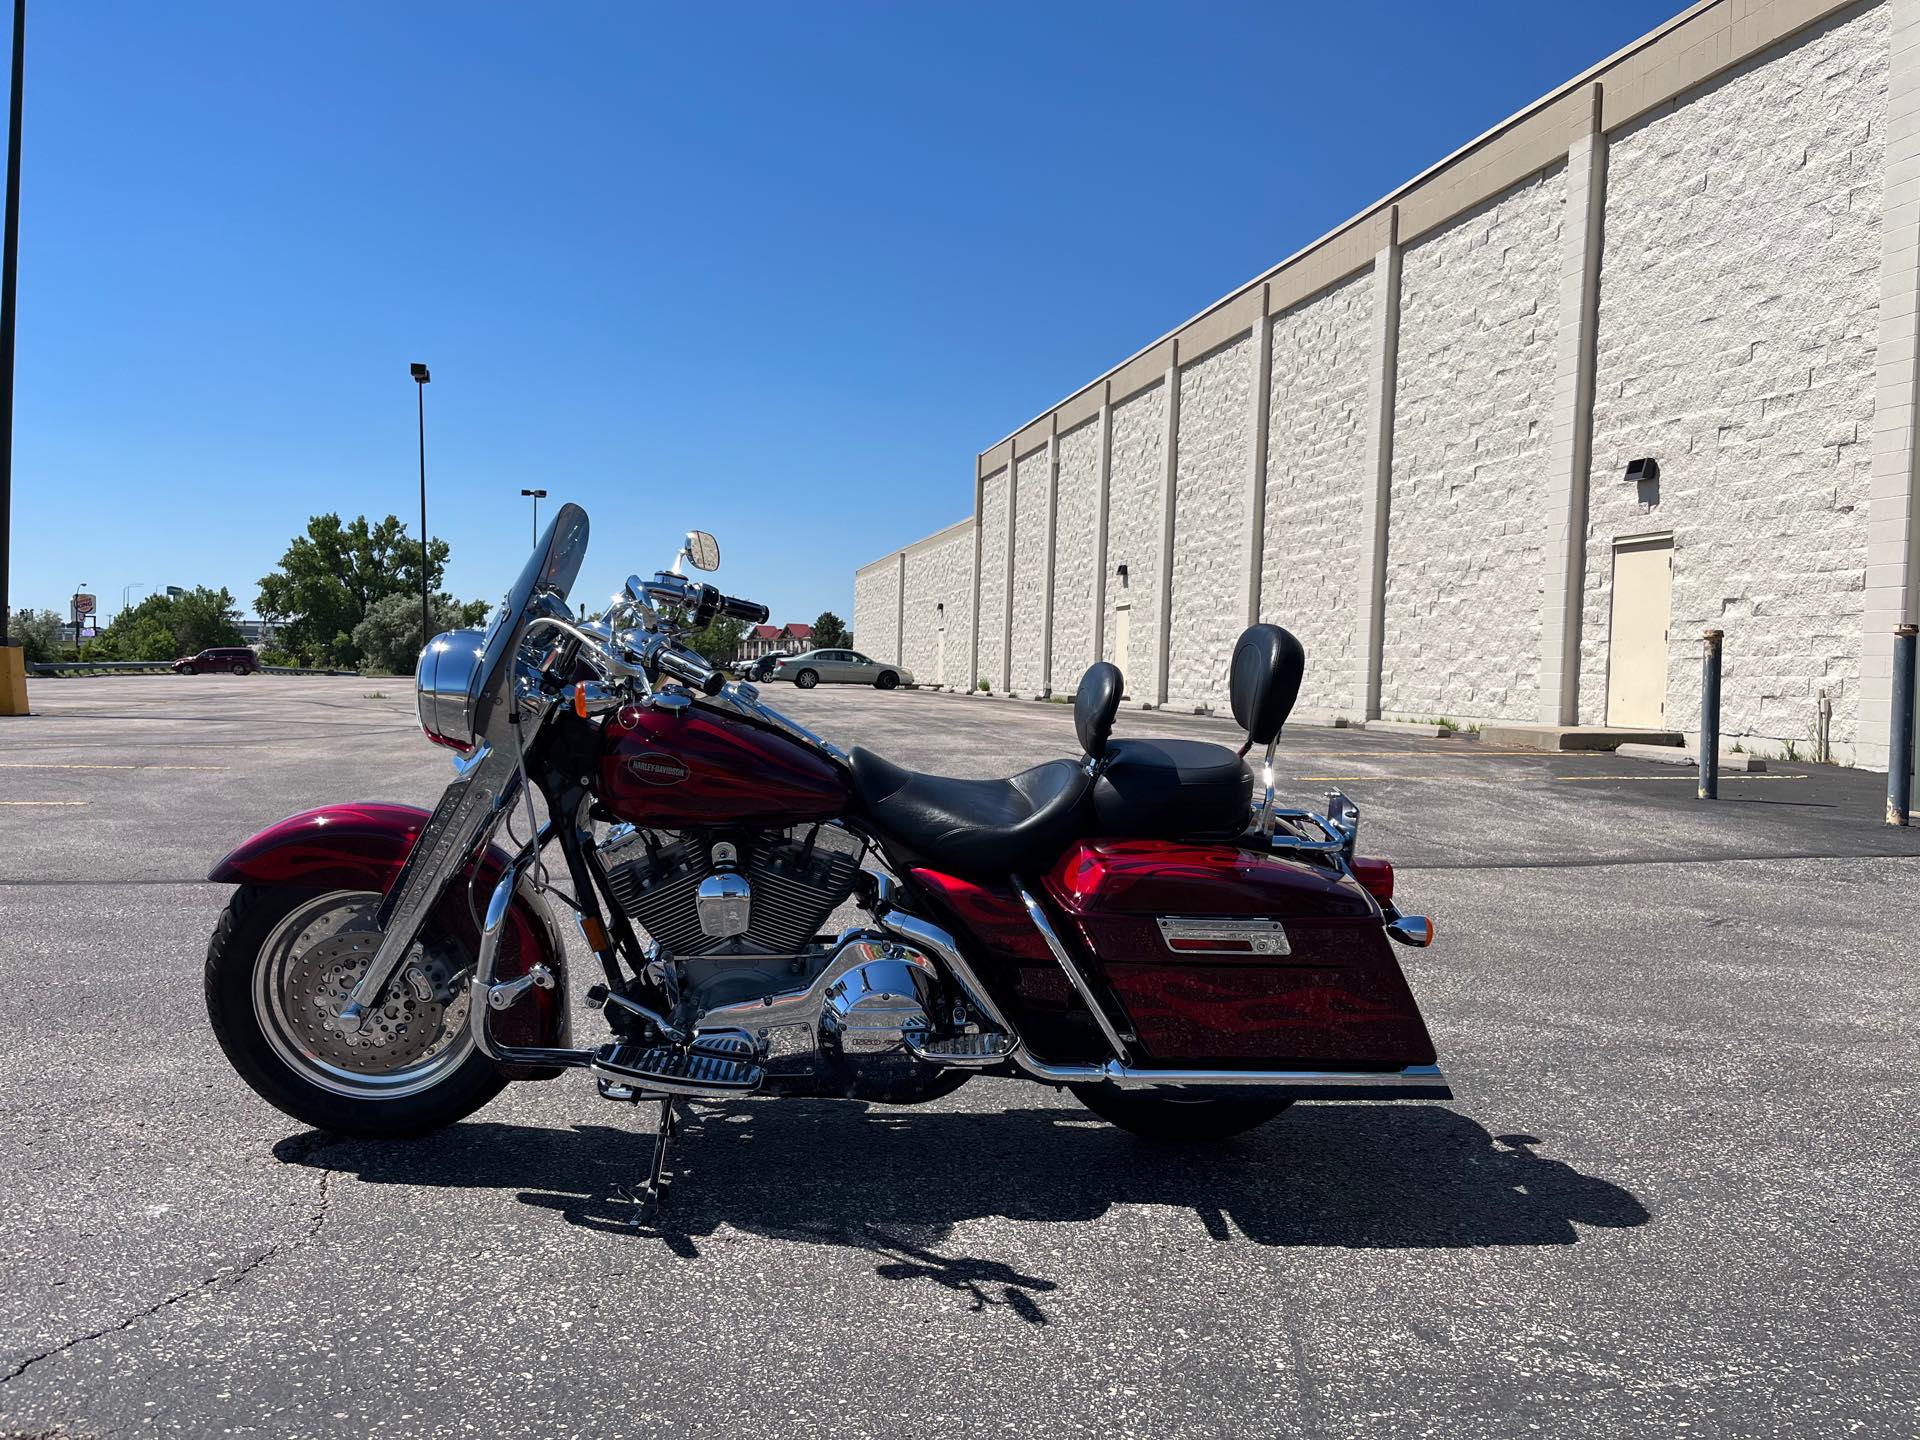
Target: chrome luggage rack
{"x": 1340, "y": 827}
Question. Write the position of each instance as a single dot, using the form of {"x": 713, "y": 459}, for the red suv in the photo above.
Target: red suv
{"x": 232, "y": 659}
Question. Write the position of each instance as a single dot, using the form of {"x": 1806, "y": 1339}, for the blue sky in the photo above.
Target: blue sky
{"x": 774, "y": 270}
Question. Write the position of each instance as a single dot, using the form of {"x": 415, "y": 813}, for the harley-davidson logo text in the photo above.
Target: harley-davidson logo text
{"x": 657, "y": 769}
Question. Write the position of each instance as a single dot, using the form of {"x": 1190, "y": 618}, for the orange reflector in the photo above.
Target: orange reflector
{"x": 580, "y": 701}
{"x": 595, "y": 932}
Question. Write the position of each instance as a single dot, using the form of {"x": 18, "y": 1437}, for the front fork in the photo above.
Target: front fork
{"x": 482, "y": 788}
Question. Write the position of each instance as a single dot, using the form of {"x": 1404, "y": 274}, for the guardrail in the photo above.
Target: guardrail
{"x": 154, "y": 667}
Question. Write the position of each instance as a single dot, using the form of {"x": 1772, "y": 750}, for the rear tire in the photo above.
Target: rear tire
{"x": 887, "y": 681}
{"x": 457, "y": 1085}
{"x": 1154, "y": 1117}
{"x": 239, "y": 669}
{"x": 807, "y": 679}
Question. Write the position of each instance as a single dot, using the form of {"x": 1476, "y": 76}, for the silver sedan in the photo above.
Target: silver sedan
{"x": 839, "y": 667}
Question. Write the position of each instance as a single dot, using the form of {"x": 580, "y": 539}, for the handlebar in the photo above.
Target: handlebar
{"x": 751, "y": 611}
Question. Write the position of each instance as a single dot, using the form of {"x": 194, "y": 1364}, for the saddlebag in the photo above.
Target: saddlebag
{"x": 1227, "y": 956}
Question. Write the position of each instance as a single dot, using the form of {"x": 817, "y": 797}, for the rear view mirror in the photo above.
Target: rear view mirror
{"x": 703, "y": 551}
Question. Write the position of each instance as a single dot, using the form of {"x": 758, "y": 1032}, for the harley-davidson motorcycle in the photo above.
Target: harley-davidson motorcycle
{"x": 1133, "y": 925}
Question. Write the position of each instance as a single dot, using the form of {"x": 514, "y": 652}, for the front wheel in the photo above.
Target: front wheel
{"x": 887, "y": 681}
{"x": 1156, "y": 1117}
{"x": 279, "y": 967}
{"x": 189, "y": 670}
{"x": 807, "y": 679}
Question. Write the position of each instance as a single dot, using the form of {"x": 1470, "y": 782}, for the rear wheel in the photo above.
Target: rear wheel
{"x": 279, "y": 967}
{"x": 887, "y": 681}
{"x": 807, "y": 679}
{"x": 1156, "y": 1117}
{"x": 239, "y": 669}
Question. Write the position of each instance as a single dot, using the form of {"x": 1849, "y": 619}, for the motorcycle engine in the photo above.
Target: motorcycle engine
{"x": 784, "y": 884}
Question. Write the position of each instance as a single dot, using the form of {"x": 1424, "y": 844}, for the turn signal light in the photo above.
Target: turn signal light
{"x": 1375, "y": 877}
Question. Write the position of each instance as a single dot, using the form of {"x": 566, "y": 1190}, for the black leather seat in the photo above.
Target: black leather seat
{"x": 1171, "y": 790}
{"x": 972, "y": 827}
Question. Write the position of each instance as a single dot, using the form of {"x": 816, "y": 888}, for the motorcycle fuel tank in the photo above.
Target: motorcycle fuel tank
{"x": 673, "y": 769}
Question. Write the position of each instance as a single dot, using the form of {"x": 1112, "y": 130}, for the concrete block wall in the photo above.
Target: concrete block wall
{"x": 1749, "y": 379}
{"x": 991, "y": 606}
{"x": 876, "y": 608}
{"x": 1076, "y": 535}
{"x": 1472, "y": 418}
{"x": 1406, "y": 441}
{"x": 938, "y": 621}
{"x": 1209, "y": 518}
{"x": 1030, "y": 618}
{"x": 1134, "y": 509}
{"x": 1316, "y": 451}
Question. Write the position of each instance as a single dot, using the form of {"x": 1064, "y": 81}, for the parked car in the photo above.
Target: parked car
{"x": 760, "y": 671}
{"x": 839, "y": 667}
{"x": 222, "y": 659}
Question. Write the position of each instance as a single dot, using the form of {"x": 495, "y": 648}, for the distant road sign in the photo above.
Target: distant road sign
{"x": 83, "y": 604}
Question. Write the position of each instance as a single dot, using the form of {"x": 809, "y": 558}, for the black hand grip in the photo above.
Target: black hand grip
{"x": 750, "y": 611}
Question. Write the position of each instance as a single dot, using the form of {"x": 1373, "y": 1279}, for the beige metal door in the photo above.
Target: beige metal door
{"x": 1637, "y": 640}
{"x": 940, "y": 657}
{"x": 1123, "y": 641}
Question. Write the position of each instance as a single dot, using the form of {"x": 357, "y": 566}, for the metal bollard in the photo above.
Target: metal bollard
{"x": 1710, "y": 716}
{"x": 1900, "y": 742}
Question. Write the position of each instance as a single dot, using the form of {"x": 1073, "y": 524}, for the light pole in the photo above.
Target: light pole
{"x": 420, "y": 379}
{"x": 9, "y": 278}
{"x": 126, "y": 595}
{"x": 78, "y": 591}
{"x": 538, "y": 496}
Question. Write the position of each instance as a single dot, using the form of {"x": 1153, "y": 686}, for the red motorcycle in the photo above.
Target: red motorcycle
{"x": 1132, "y": 925}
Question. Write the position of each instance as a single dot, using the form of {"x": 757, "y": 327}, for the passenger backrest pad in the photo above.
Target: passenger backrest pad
{"x": 1095, "y": 704}
{"x": 1268, "y": 663}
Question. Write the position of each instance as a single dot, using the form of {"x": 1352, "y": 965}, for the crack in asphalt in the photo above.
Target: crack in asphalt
{"x": 224, "y": 1280}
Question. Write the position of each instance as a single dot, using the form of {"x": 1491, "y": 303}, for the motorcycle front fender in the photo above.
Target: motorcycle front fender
{"x": 363, "y": 845}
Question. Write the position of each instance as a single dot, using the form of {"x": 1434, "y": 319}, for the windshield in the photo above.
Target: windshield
{"x": 550, "y": 570}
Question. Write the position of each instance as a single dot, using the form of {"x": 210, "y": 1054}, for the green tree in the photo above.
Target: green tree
{"x": 333, "y": 574}
{"x": 719, "y": 641}
{"x": 389, "y": 639}
{"x": 830, "y": 632}
{"x": 38, "y": 633}
{"x": 165, "y": 627}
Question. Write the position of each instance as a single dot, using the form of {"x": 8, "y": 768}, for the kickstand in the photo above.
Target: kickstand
{"x": 654, "y": 1193}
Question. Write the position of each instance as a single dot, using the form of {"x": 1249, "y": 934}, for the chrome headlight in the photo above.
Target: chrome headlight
{"x": 446, "y": 688}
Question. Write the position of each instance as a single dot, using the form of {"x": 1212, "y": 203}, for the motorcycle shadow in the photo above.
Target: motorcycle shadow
{"x": 897, "y": 1182}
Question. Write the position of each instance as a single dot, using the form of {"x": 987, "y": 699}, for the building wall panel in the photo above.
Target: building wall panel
{"x": 1739, "y": 293}
{"x": 1076, "y": 519}
{"x": 993, "y": 563}
{"x": 1472, "y": 422}
{"x": 1316, "y": 462}
{"x": 939, "y": 609}
{"x": 1133, "y": 533}
{"x": 1209, "y": 527}
{"x": 1029, "y": 571}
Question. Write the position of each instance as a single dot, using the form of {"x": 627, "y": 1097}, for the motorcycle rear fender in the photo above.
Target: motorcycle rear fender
{"x": 362, "y": 846}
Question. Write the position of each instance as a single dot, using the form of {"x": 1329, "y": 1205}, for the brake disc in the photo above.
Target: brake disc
{"x": 420, "y": 1011}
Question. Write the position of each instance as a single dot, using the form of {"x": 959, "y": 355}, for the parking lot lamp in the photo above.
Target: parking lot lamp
{"x": 420, "y": 379}
{"x": 538, "y": 496}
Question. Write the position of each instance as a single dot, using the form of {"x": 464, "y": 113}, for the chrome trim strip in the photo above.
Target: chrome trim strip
{"x": 1418, "y": 1080}
{"x": 1074, "y": 977}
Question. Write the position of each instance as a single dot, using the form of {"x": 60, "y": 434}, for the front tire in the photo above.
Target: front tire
{"x": 188, "y": 670}
{"x": 887, "y": 681}
{"x": 1155, "y": 1117}
{"x": 807, "y": 679}
{"x": 282, "y": 958}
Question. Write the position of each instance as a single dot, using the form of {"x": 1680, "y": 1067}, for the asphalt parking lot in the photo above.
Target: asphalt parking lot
{"x": 1675, "y": 1194}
